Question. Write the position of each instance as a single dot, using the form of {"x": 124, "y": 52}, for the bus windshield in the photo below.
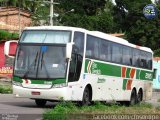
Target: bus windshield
{"x": 45, "y": 36}
{"x": 40, "y": 62}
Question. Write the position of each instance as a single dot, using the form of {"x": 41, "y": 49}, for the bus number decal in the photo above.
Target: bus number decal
{"x": 148, "y": 76}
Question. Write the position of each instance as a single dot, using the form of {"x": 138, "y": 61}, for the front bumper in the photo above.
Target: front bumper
{"x": 48, "y": 94}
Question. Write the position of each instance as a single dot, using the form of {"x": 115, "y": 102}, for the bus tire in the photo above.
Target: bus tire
{"x": 139, "y": 96}
{"x": 40, "y": 102}
{"x": 133, "y": 99}
{"x": 86, "y": 97}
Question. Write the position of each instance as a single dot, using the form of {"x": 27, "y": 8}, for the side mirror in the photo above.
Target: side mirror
{"x": 69, "y": 50}
{"x": 10, "y": 48}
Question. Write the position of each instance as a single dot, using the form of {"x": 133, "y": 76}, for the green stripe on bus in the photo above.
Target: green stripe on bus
{"x": 17, "y": 79}
{"x": 58, "y": 81}
{"x": 124, "y": 84}
{"x": 137, "y": 74}
{"x": 54, "y": 81}
{"x": 115, "y": 70}
{"x": 110, "y": 70}
{"x": 128, "y": 73}
{"x": 103, "y": 69}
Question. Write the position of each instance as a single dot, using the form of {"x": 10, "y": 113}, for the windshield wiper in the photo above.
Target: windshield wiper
{"x": 34, "y": 62}
{"x": 43, "y": 63}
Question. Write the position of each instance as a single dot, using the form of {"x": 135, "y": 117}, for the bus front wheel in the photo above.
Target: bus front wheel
{"x": 40, "y": 102}
{"x": 86, "y": 97}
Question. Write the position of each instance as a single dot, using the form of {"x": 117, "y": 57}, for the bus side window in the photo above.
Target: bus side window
{"x": 127, "y": 56}
{"x": 88, "y": 52}
{"x": 116, "y": 53}
{"x": 105, "y": 50}
{"x": 136, "y": 58}
{"x": 143, "y": 61}
{"x": 90, "y": 47}
{"x": 149, "y": 60}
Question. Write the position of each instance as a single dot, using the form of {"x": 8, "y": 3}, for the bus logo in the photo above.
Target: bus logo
{"x": 89, "y": 66}
{"x": 93, "y": 68}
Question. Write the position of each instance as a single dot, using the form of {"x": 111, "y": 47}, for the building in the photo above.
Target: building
{"x": 6, "y": 64}
{"x": 9, "y": 19}
{"x": 121, "y": 35}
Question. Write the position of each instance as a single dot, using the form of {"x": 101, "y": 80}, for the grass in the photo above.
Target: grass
{"x": 5, "y": 89}
{"x": 69, "y": 111}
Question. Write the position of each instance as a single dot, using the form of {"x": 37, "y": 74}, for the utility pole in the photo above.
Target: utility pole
{"x": 51, "y": 2}
{"x": 51, "y": 12}
{"x": 19, "y": 19}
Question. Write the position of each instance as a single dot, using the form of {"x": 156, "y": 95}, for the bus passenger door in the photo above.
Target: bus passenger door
{"x": 76, "y": 64}
{"x": 77, "y": 57}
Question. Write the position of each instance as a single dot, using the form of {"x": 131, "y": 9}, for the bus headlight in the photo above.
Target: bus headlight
{"x": 16, "y": 83}
{"x": 59, "y": 85}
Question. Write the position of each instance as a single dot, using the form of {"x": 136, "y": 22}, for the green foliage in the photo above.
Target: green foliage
{"x": 92, "y": 15}
{"x": 157, "y": 53}
{"x": 4, "y": 35}
{"x": 5, "y": 89}
{"x": 60, "y": 111}
{"x": 139, "y": 30}
{"x": 69, "y": 111}
{"x": 143, "y": 105}
{"x": 83, "y": 7}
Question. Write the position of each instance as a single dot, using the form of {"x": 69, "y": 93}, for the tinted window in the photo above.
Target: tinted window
{"x": 136, "y": 59}
{"x": 116, "y": 53}
{"x": 78, "y": 47}
{"x": 97, "y": 48}
{"x": 105, "y": 50}
{"x": 149, "y": 60}
{"x": 127, "y": 56}
{"x": 92, "y": 47}
{"x": 143, "y": 59}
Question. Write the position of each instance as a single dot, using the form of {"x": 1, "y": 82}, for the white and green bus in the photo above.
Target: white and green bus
{"x": 56, "y": 62}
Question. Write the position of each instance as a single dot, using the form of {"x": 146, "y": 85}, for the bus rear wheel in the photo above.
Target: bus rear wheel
{"x": 40, "y": 102}
{"x": 133, "y": 99}
{"x": 139, "y": 96}
{"x": 86, "y": 97}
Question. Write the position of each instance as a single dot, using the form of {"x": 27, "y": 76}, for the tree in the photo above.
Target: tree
{"x": 90, "y": 14}
{"x": 83, "y": 7}
{"x": 139, "y": 30}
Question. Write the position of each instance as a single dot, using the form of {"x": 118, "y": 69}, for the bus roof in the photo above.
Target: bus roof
{"x": 93, "y": 33}
{"x": 55, "y": 28}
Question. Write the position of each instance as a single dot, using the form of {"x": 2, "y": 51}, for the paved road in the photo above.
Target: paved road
{"x": 21, "y": 108}
{"x": 12, "y": 108}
